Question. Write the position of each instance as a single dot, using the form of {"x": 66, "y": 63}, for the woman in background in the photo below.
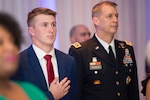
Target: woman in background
{"x": 10, "y": 39}
{"x": 146, "y": 82}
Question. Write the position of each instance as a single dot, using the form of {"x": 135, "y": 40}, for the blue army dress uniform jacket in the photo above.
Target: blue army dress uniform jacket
{"x": 101, "y": 78}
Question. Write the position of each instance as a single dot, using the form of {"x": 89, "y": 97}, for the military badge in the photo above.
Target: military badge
{"x": 95, "y": 65}
{"x": 76, "y": 45}
{"x": 96, "y": 82}
{"x": 128, "y": 80}
{"x": 94, "y": 59}
{"x": 97, "y": 47}
{"x": 127, "y": 58}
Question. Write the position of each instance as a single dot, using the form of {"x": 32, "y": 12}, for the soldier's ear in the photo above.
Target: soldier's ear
{"x": 95, "y": 20}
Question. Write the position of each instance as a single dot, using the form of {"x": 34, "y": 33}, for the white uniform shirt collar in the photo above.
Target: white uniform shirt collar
{"x": 106, "y": 45}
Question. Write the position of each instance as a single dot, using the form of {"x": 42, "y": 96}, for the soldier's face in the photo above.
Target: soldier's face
{"x": 108, "y": 19}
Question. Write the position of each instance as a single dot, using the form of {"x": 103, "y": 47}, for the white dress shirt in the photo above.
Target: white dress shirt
{"x": 106, "y": 45}
{"x": 40, "y": 55}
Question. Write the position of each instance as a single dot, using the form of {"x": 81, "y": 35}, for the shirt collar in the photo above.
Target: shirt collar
{"x": 106, "y": 45}
{"x": 40, "y": 53}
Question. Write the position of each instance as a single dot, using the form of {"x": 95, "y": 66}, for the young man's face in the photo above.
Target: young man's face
{"x": 43, "y": 31}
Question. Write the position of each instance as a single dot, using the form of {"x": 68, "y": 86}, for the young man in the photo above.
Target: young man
{"x": 106, "y": 67}
{"x": 57, "y": 81}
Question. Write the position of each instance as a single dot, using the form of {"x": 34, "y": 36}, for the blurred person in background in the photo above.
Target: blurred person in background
{"x": 146, "y": 83}
{"x": 10, "y": 41}
{"x": 79, "y": 33}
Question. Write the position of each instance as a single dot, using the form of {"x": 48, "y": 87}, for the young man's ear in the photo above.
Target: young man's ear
{"x": 95, "y": 20}
{"x": 31, "y": 31}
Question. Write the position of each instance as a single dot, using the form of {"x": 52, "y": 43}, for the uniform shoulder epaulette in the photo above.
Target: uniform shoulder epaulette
{"x": 128, "y": 43}
{"x": 76, "y": 45}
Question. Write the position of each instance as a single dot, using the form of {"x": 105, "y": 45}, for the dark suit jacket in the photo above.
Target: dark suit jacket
{"x": 31, "y": 71}
{"x": 105, "y": 79}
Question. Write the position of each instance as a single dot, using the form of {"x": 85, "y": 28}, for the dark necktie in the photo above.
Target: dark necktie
{"x": 50, "y": 70}
{"x": 111, "y": 53}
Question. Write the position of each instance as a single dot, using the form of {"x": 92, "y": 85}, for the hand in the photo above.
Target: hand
{"x": 59, "y": 90}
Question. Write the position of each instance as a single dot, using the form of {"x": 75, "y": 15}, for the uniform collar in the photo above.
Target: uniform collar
{"x": 106, "y": 45}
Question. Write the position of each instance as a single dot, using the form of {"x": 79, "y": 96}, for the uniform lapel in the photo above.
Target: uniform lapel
{"x": 99, "y": 51}
{"x": 120, "y": 50}
{"x": 60, "y": 64}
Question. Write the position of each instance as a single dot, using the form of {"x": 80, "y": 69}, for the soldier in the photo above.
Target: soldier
{"x": 106, "y": 66}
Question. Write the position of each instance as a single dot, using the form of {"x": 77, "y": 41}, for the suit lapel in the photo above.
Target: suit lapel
{"x": 60, "y": 64}
{"x": 99, "y": 51}
{"x": 34, "y": 62}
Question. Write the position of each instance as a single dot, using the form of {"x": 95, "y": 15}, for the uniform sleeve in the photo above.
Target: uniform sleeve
{"x": 75, "y": 53}
{"x": 133, "y": 90}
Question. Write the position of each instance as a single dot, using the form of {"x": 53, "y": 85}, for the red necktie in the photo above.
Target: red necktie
{"x": 49, "y": 66}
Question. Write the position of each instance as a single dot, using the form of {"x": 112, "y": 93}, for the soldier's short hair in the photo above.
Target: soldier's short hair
{"x": 97, "y": 8}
